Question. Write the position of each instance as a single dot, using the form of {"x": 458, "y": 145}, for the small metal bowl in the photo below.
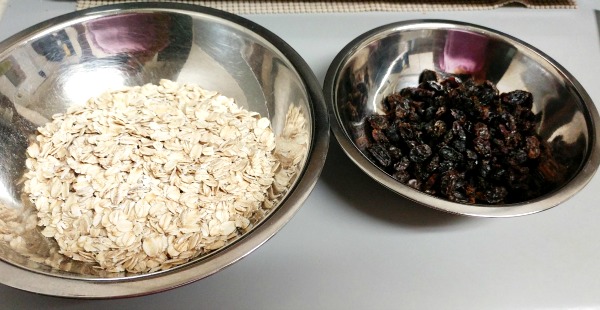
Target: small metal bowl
{"x": 389, "y": 58}
{"x": 68, "y": 59}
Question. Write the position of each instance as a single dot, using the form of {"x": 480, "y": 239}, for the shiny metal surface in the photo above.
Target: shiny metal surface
{"x": 68, "y": 59}
{"x": 389, "y": 58}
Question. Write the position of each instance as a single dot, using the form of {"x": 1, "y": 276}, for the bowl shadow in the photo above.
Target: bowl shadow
{"x": 366, "y": 195}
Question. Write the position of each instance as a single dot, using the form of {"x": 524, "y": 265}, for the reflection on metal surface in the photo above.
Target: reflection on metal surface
{"x": 67, "y": 60}
{"x": 391, "y": 57}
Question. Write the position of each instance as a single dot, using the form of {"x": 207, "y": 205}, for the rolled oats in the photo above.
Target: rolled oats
{"x": 149, "y": 177}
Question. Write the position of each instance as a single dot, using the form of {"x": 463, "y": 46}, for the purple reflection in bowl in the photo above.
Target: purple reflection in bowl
{"x": 464, "y": 53}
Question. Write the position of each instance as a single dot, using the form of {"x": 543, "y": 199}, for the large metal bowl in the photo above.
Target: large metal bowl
{"x": 391, "y": 57}
{"x": 68, "y": 59}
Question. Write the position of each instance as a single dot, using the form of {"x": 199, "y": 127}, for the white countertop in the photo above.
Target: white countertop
{"x": 355, "y": 245}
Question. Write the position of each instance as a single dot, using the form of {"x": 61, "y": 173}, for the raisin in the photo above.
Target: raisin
{"x": 459, "y": 145}
{"x": 430, "y": 183}
{"x": 532, "y": 146}
{"x": 482, "y": 147}
{"x": 459, "y": 139}
{"x": 379, "y": 136}
{"x": 380, "y": 154}
{"x": 485, "y": 169}
{"x": 441, "y": 111}
{"x": 428, "y": 76}
{"x": 438, "y": 129}
{"x": 495, "y": 194}
{"x": 420, "y": 153}
{"x": 401, "y": 112}
{"x": 447, "y": 165}
{"x": 378, "y": 122}
{"x": 402, "y": 176}
{"x": 402, "y": 164}
{"x": 517, "y": 97}
{"x": 451, "y": 154}
{"x": 458, "y": 130}
{"x": 395, "y": 153}
{"x": 481, "y": 131}
{"x": 471, "y": 155}
{"x": 434, "y": 86}
{"x": 459, "y": 116}
{"x": 487, "y": 93}
{"x": 429, "y": 113}
{"x": 392, "y": 134}
{"x": 434, "y": 163}
{"x": 416, "y": 93}
{"x": 517, "y": 157}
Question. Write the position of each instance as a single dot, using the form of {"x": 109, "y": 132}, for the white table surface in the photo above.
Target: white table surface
{"x": 354, "y": 245}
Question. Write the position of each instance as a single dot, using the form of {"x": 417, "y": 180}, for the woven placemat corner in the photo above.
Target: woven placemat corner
{"x": 348, "y": 6}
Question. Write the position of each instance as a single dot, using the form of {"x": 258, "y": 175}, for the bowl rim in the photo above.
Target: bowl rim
{"x": 544, "y": 202}
{"x": 137, "y": 285}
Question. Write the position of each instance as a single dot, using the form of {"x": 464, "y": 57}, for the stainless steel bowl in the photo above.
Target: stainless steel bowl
{"x": 66, "y": 60}
{"x": 391, "y": 57}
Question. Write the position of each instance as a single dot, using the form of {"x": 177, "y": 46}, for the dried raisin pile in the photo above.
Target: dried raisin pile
{"x": 461, "y": 140}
